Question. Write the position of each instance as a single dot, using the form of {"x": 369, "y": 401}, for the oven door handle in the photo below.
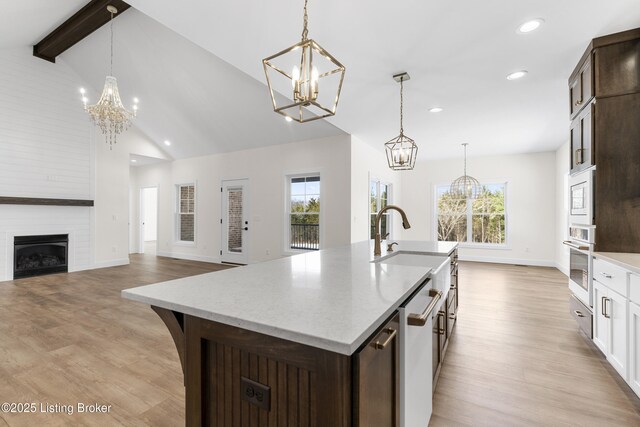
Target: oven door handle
{"x": 575, "y": 246}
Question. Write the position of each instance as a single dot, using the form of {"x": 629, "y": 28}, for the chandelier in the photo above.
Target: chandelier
{"x": 309, "y": 74}
{"x": 401, "y": 150}
{"x": 108, "y": 113}
{"x": 465, "y": 187}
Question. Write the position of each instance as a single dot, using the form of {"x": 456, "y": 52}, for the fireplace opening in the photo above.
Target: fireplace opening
{"x": 39, "y": 255}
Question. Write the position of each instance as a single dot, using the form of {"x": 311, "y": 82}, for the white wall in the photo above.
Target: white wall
{"x": 266, "y": 169}
{"x": 45, "y": 151}
{"x": 45, "y": 147}
{"x": 531, "y": 203}
{"x": 368, "y": 162}
{"x": 562, "y": 208}
{"x": 112, "y": 194}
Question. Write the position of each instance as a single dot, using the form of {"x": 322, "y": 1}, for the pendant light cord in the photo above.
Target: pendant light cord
{"x": 401, "y": 104}
{"x": 111, "y": 72}
{"x": 465, "y": 158}
{"x": 305, "y": 30}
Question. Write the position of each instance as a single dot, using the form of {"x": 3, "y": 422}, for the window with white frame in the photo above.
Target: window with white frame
{"x": 476, "y": 221}
{"x": 379, "y": 197}
{"x": 303, "y": 213}
{"x": 186, "y": 216}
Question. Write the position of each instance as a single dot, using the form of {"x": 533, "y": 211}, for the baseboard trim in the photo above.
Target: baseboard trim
{"x": 109, "y": 263}
{"x": 190, "y": 257}
{"x": 496, "y": 260}
{"x": 564, "y": 270}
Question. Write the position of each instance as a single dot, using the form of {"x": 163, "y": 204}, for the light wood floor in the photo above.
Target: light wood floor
{"x": 515, "y": 358}
{"x": 70, "y": 338}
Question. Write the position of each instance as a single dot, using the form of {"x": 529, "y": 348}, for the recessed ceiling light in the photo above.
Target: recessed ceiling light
{"x": 136, "y": 100}
{"x": 134, "y": 161}
{"x": 167, "y": 142}
{"x": 82, "y": 91}
{"x": 530, "y": 26}
{"x": 435, "y": 110}
{"x": 517, "y": 75}
{"x": 287, "y": 118}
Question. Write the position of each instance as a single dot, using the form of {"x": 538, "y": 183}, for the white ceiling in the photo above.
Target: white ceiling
{"x": 457, "y": 53}
{"x": 140, "y": 160}
{"x": 26, "y": 22}
{"x": 188, "y": 96}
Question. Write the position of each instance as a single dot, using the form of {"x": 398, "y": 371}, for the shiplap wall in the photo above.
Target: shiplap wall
{"x": 45, "y": 135}
{"x": 46, "y": 150}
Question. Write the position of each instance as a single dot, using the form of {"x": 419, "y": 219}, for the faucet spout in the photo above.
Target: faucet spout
{"x": 377, "y": 251}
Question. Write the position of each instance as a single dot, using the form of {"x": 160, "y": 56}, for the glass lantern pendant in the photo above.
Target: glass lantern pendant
{"x": 304, "y": 80}
{"x": 401, "y": 151}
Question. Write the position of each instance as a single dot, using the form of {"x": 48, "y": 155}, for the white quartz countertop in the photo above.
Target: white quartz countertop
{"x": 627, "y": 261}
{"x": 332, "y": 299}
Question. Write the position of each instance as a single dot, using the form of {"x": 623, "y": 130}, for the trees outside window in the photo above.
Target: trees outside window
{"x": 379, "y": 197}
{"x": 304, "y": 212}
{"x": 481, "y": 220}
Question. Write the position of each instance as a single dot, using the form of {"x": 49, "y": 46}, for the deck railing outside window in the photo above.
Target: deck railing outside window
{"x": 305, "y": 236}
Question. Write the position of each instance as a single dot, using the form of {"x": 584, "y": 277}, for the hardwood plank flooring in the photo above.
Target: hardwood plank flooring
{"x": 70, "y": 338}
{"x": 516, "y": 357}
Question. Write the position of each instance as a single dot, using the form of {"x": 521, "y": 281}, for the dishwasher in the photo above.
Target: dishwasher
{"x": 416, "y": 372}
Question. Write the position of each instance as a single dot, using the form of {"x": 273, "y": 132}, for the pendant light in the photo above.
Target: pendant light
{"x": 401, "y": 150}
{"x": 309, "y": 74}
{"x": 465, "y": 187}
{"x": 109, "y": 113}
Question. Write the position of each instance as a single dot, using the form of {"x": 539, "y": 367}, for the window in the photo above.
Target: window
{"x": 186, "y": 212}
{"x": 379, "y": 196}
{"x": 481, "y": 220}
{"x": 304, "y": 212}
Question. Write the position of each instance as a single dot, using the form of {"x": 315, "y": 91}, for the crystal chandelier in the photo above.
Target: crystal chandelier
{"x": 109, "y": 114}
{"x": 310, "y": 74}
{"x": 465, "y": 187}
{"x": 401, "y": 150}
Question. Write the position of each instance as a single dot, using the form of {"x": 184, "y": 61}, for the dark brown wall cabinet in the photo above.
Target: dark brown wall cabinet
{"x": 617, "y": 186}
{"x": 582, "y": 154}
{"x": 581, "y": 86}
{"x": 605, "y": 132}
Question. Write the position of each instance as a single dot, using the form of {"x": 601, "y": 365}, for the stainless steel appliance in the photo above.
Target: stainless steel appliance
{"x": 581, "y": 197}
{"x": 415, "y": 356}
{"x": 582, "y": 240}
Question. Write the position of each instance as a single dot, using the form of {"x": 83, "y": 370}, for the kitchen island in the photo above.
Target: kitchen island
{"x": 292, "y": 339}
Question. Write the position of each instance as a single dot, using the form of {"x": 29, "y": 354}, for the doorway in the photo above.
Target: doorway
{"x": 148, "y": 242}
{"x": 235, "y": 221}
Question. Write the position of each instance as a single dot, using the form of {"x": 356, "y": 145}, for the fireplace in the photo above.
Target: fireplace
{"x": 39, "y": 255}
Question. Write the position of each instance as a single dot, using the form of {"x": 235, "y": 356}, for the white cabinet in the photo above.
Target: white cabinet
{"x": 610, "y": 326}
{"x": 617, "y": 314}
{"x": 600, "y": 322}
{"x": 634, "y": 347}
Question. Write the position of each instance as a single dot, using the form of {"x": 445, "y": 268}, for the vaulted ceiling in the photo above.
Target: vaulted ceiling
{"x": 204, "y": 88}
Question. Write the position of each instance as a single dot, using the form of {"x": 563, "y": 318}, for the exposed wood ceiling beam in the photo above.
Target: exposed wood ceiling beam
{"x": 84, "y": 22}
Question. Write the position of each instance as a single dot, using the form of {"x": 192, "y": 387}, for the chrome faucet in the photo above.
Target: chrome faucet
{"x": 405, "y": 223}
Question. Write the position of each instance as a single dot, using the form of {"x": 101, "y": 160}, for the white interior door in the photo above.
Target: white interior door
{"x": 235, "y": 221}
{"x": 148, "y": 220}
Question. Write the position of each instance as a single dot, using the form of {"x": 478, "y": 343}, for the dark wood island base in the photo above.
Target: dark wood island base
{"x": 238, "y": 377}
